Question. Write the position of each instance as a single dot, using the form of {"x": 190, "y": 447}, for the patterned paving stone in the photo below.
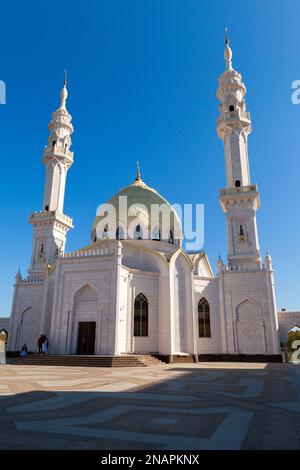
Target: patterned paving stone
{"x": 186, "y": 406}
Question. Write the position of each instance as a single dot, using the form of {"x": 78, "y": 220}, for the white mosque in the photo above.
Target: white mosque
{"x": 145, "y": 294}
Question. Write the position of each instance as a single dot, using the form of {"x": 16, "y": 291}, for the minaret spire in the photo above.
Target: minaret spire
{"x": 64, "y": 93}
{"x": 227, "y": 52}
{"x": 226, "y": 37}
{"x": 138, "y": 171}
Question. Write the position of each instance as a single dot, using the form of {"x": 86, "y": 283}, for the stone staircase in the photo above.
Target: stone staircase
{"x": 132, "y": 360}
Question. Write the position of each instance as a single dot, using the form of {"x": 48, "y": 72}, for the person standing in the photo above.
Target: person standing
{"x": 45, "y": 345}
{"x": 24, "y": 350}
{"x": 40, "y": 342}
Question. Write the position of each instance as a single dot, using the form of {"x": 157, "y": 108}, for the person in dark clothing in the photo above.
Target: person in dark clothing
{"x": 24, "y": 350}
{"x": 40, "y": 342}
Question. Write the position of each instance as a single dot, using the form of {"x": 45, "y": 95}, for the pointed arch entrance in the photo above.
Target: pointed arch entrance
{"x": 86, "y": 310}
{"x": 250, "y": 328}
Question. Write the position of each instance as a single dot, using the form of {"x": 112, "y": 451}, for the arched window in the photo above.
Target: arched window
{"x": 138, "y": 233}
{"x": 241, "y": 234}
{"x": 231, "y": 108}
{"x": 120, "y": 233}
{"x": 237, "y": 184}
{"x": 141, "y": 315}
{"x": 53, "y": 143}
{"x": 155, "y": 233}
{"x": 105, "y": 231}
{"x": 171, "y": 237}
{"x": 204, "y": 318}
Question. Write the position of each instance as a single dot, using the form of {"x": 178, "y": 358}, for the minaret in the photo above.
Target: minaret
{"x": 240, "y": 198}
{"x": 50, "y": 224}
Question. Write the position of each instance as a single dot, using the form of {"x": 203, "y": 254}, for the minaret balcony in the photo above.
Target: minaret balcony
{"x": 229, "y": 117}
{"x": 243, "y": 195}
{"x": 50, "y": 152}
{"x": 46, "y": 217}
{"x": 240, "y": 189}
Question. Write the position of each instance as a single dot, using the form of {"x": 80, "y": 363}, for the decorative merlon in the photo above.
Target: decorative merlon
{"x": 51, "y": 216}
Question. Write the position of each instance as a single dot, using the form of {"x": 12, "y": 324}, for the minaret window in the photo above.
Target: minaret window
{"x": 42, "y": 250}
{"x": 53, "y": 143}
{"x": 204, "y": 318}
{"x": 237, "y": 184}
{"x": 231, "y": 108}
{"x": 141, "y": 315}
{"x": 171, "y": 237}
{"x": 242, "y": 234}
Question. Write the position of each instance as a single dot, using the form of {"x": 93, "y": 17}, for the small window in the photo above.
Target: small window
{"x": 241, "y": 234}
{"x": 171, "y": 237}
{"x": 155, "y": 233}
{"x": 231, "y": 108}
{"x": 138, "y": 233}
{"x": 120, "y": 233}
{"x": 46, "y": 208}
{"x": 53, "y": 143}
{"x": 237, "y": 184}
{"x": 105, "y": 232}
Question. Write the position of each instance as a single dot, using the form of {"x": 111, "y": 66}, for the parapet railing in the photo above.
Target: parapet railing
{"x": 241, "y": 189}
{"x": 88, "y": 253}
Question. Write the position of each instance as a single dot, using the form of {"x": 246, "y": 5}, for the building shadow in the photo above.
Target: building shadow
{"x": 186, "y": 407}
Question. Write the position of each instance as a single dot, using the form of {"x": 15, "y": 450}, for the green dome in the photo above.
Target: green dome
{"x": 140, "y": 198}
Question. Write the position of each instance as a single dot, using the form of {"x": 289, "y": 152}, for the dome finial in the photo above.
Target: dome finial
{"x": 228, "y": 52}
{"x": 138, "y": 171}
{"x": 226, "y": 37}
{"x": 64, "y": 92}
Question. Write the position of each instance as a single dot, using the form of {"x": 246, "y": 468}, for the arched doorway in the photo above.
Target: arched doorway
{"x": 250, "y": 328}
{"x": 28, "y": 333}
{"x": 86, "y": 313}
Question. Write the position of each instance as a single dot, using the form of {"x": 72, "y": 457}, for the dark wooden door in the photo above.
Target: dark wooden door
{"x": 86, "y": 337}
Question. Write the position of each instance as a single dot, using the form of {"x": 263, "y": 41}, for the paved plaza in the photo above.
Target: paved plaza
{"x": 180, "y": 406}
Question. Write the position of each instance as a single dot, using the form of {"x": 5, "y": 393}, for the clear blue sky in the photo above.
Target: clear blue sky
{"x": 142, "y": 86}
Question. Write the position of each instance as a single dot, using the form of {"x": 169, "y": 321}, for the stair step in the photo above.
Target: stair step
{"x": 90, "y": 361}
